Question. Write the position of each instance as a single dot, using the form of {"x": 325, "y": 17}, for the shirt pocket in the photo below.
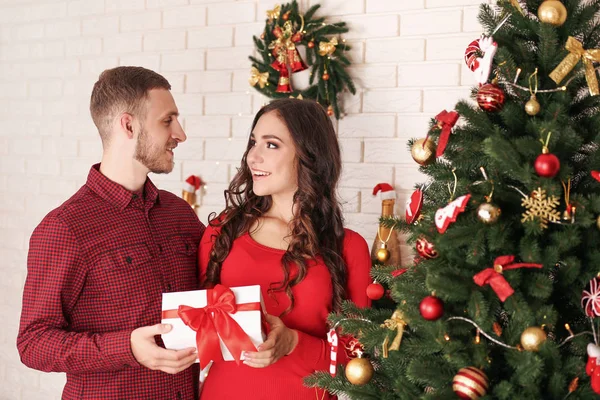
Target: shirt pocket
{"x": 128, "y": 276}
{"x": 184, "y": 261}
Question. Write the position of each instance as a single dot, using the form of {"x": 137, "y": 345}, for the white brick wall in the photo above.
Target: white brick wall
{"x": 408, "y": 66}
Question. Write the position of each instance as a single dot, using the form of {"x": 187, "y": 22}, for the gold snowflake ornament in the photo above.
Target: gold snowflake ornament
{"x": 540, "y": 206}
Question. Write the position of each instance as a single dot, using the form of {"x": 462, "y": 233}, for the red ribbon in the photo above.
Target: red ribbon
{"x": 446, "y": 120}
{"x": 214, "y": 321}
{"x": 493, "y": 276}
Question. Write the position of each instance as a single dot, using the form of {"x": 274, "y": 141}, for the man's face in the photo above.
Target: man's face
{"x": 160, "y": 132}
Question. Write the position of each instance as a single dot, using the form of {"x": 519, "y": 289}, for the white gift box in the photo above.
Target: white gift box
{"x": 182, "y": 336}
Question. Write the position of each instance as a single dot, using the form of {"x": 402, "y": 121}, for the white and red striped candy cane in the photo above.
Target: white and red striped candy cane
{"x": 332, "y": 339}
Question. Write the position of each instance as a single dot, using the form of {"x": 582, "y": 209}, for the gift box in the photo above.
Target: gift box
{"x": 221, "y": 322}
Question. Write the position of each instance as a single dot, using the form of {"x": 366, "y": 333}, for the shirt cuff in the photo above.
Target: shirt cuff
{"x": 118, "y": 349}
{"x": 310, "y": 351}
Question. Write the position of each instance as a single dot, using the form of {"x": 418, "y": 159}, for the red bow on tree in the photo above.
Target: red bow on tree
{"x": 214, "y": 321}
{"x": 494, "y": 277}
{"x": 446, "y": 121}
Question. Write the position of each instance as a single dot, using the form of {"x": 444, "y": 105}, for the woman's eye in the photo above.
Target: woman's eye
{"x": 271, "y": 145}
{"x": 252, "y": 143}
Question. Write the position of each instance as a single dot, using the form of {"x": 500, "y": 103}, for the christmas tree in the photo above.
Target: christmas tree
{"x": 502, "y": 300}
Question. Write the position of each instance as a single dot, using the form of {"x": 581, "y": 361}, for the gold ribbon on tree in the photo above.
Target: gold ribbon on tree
{"x": 286, "y": 55}
{"x": 327, "y": 48}
{"x": 256, "y": 77}
{"x": 396, "y": 322}
{"x": 516, "y": 5}
{"x": 274, "y": 13}
{"x": 576, "y": 53}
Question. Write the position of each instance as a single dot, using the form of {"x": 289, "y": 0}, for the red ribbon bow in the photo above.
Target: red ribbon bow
{"x": 213, "y": 322}
{"x": 493, "y": 276}
{"x": 446, "y": 121}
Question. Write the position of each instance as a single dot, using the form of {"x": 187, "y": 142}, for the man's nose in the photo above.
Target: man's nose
{"x": 178, "y": 133}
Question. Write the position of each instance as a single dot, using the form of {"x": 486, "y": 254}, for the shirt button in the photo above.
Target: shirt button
{"x": 179, "y": 397}
{"x": 168, "y": 287}
{"x": 159, "y": 248}
{"x": 135, "y": 196}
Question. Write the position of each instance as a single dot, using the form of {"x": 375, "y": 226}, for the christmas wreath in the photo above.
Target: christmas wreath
{"x": 286, "y": 29}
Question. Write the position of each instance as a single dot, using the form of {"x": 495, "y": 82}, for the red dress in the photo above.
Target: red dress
{"x": 251, "y": 263}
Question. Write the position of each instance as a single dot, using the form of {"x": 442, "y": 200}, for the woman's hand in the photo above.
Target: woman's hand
{"x": 280, "y": 342}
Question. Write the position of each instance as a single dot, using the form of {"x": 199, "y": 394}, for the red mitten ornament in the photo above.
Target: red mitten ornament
{"x": 413, "y": 206}
{"x": 445, "y": 216}
{"x": 592, "y": 367}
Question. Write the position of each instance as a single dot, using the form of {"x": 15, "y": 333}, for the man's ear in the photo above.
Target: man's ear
{"x": 126, "y": 124}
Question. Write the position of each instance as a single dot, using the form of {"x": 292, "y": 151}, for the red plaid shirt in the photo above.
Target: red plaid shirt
{"x": 97, "y": 268}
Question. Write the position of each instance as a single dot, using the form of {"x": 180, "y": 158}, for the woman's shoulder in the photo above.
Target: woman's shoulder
{"x": 352, "y": 238}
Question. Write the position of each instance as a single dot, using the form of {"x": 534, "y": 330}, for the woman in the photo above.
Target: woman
{"x": 282, "y": 229}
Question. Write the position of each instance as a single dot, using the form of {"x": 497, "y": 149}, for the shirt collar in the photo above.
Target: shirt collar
{"x": 117, "y": 194}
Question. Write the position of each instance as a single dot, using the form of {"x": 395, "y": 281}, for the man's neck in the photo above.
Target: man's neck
{"x": 130, "y": 174}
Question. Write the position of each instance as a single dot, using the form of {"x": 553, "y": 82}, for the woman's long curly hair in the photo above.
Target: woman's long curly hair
{"x": 317, "y": 225}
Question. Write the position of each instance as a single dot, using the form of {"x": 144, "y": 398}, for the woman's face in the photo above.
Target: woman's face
{"x": 272, "y": 158}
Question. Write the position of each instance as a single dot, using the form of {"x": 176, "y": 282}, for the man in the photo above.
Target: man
{"x": 99, "y": 263}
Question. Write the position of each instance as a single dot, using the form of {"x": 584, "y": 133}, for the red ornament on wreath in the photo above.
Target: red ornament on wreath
{"x": 426, "y": 249}
{"x": 375, "y": 291}
{"x": 470, "y": 383}
{"x": 287, "y": 58}
{"x": 431, "y": 308}
{"x": 490, "y": 97}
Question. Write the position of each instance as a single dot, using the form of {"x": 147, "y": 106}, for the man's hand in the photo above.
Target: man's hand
{"x": 280, "y": 342}
{"x": 150, "y": 355}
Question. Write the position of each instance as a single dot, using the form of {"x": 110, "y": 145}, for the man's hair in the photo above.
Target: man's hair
{"x": 119, "y": 90}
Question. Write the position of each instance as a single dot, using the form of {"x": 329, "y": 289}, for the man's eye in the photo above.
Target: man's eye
{"x": 168, "y": 121}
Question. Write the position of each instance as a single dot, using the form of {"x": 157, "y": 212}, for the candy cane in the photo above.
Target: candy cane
{"x": 332, "y": 339}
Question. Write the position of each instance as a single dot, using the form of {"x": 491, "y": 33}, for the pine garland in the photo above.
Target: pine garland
{"x": 328, "y": 70}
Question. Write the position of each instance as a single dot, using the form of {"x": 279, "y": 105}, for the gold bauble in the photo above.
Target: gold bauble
{"x": 423, "y": 151}
{"x": 532, "y": 107}
{"x": 598, "y": 222}
{"x": 359, "y": 371}
{"x": 383, "y": 254}
{"x": 552, "y": 12}
{"x": 488, "y": 213}
{"x": 532, "y": 338}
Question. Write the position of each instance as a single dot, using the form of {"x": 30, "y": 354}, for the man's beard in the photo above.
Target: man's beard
{"x": 153, "y": 157}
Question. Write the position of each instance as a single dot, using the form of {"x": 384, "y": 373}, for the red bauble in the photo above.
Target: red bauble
{"x": 431, "y": 308}
{"x": 375, "y": 291}
{"x": 471, "y": 53}
{"x": 490, "y": 97}
{"x": 311, "y": 44}
{"x": 547, "y": 165}
{"x": 470, "y": 383}
{"x": 425, "y": 248}
{"x": 325, "y": 76}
